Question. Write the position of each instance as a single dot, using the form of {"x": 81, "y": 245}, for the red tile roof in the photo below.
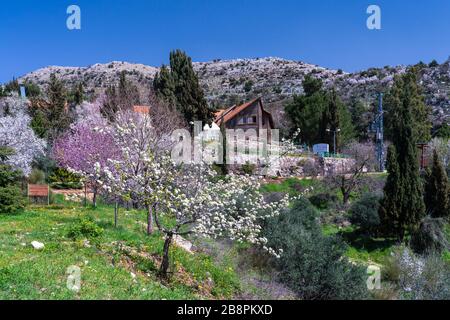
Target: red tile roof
{"x": 141, "y": 109}
{"x": 226, "y": 115}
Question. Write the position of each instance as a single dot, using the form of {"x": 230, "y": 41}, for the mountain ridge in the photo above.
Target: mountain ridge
{"x": 226, "y": 82}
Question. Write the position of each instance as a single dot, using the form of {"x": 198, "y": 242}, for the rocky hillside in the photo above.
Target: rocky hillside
{"x": 227, "y": 82}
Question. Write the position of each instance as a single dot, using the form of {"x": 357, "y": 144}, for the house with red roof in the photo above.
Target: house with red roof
{"x": 250, "y": 115}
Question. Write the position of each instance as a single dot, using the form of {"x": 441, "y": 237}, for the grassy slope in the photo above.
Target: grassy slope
{"x": 106, "y": 270}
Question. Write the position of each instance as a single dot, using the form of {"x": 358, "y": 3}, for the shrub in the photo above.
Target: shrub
{"x": 248, "y": 168}
{"x": 272, "y": 197}
{"x": 64, "y": 179}
{"x": 248, "y": 86}
{"x": 85, "y": 227}
{"x": 322, "y": 201}
{"x": 313, "y": 265}
{"x": 311, "y": 169}
{"x": 37, "y": 177}
{"x": 11, "y": 200}
{"x": 430, "y": 237}
{"x": 364, "y": 213}
{"x": 422, "y": 278}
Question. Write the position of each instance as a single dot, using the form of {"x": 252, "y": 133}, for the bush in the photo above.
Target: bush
{"x": 248, "y": 168}
{"x": 422, "y": 278}
{"x": 64, "y": 179}
{"x": 85, "y": 228}
{"x": 364, "y": 213}
{"x": 313, "y": 265}
{"x": 11, "y": 200}
{"x": 37, "y": 177}
{"x": 323, "y": 201}
{"x": 430, "y": 237}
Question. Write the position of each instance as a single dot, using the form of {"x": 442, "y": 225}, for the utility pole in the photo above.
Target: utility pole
{"x": 334, "y": 138}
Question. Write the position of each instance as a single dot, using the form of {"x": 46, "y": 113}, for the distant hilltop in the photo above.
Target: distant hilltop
{"x": 227, "y": 82}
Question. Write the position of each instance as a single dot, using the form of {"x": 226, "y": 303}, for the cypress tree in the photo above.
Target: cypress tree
{"x": 390, "y": 209}
{"x": 164, "y": 86}
{"x": 437, "y": 190}
{"x": 405, "y": 215}
{"x": 182, "y": 85}
{"x": 407, "y": 91}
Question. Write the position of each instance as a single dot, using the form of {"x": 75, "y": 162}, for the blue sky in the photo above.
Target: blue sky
{"x": 331, "y": 33}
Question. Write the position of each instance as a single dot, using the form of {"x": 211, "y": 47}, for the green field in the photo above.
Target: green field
{"x": 120, "y": 264}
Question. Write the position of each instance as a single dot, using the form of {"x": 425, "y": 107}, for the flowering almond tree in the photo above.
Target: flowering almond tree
{"x": 194, "y": 202}
{"x": 83, "y": 150}
{"x": 16, "y": 134}
{"x": 232, "y": 208}
{"x": 144, "y": 141}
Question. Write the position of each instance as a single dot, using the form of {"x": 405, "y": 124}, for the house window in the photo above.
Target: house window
{"x": 242, "y": 120}
{"x": 251, "y": 119}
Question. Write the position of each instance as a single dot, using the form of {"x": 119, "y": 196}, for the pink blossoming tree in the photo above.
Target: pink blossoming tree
{"x": 84, "y": 148}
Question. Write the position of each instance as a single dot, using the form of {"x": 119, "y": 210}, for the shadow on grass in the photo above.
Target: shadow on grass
{"x": 362, "y": 241}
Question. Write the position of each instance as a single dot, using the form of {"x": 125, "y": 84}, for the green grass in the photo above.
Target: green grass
{"x": 106, "y": 270}
{"x": 292, "y": 186}
{"x": 446, "y": 254}
{"x": 361, "y": 249}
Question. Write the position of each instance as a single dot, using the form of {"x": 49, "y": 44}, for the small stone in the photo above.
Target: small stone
{"x": 37, "y": 245}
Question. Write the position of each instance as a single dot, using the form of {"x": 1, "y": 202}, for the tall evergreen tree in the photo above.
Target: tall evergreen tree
{"x": 390, "y": 206}
{"x": 184, "y": 83}
{"x": 305, "y": 111}
{"x": 318, "y": 110}
{"x": 50, "y": 117}
{"x": 57, "y": 115}
{"x": 437, "y": 190}
{"x": 336, "y": 119}
{"x": 408, "y": 212}
{"x": 406, "y": 91}
{"x": 164, "y": 86}
{"x": 360, "y": 119}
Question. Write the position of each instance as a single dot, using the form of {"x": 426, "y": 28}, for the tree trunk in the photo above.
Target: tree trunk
{"x": 85, "y": 194}
{"x": 345, "y": 196}
{"x": 94, "y": 197}
{"x": 116, "y": 213}
{"x": 149, "y": 219}
{"x": 165, "y": 261}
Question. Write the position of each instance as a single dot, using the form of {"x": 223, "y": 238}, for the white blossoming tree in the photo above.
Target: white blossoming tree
{"x": 196, "y": 202}
{"x": 144, "y": 140}
{"x": 16, "y": 133}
